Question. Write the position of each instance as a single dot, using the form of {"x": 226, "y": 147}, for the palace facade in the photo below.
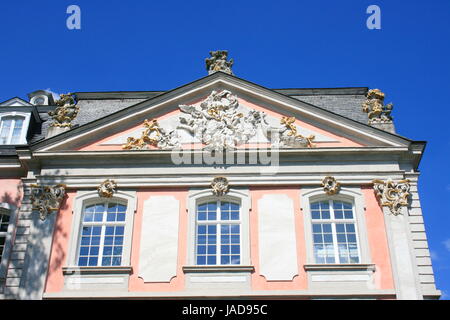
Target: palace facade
{"x": 219, "y": 188}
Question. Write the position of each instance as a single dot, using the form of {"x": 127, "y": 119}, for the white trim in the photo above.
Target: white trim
{"x": 353, "y": 195}
{"x": 87, "y": 197}
{"x": 24, "y": 130}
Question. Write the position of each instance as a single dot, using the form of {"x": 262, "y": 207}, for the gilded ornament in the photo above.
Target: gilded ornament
{"x": 290, "y": 135}
{"x": 107, "y": 188}
{"x": 392, "y": 194}
{"x": 377, "y": 111}
{"x": 330, "y": 186}
{"x": 47, "y": 199}
{"x": 220, "y": 186}
{"x": 66, "y": 111}
{"x": 218, "y": 62}
{"x": 153, "y": 135}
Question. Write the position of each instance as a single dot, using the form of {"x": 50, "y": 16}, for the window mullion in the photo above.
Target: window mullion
{"x": 218, "y": 233}
{"x": 102, "y": 235}
{"x": 334, "y": 233}
{"x": 11, "y": 130}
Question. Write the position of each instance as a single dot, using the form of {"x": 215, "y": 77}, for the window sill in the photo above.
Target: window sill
{"x": 205, "y": 269}
{"x": 339, "y": 267}
{"x": 97, "y": 270}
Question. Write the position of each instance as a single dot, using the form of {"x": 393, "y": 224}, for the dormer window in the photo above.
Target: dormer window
{"x": 13, "y": 128}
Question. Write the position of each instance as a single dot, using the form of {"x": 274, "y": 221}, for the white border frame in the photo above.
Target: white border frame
{"x": 26, "y": 123}
{"x": 353, "y": 195}
{"x": 88, "y": 197}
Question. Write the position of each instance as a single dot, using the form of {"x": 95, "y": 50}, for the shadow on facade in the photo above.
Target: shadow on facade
{"x": 33, "y": 240}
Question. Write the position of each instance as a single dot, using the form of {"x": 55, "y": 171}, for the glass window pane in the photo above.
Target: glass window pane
{"x": 212, "y": 229}
{"x": 201, "y": 229}
{"x": 201, "y": 260}
{"x": 116, "y": 261}
{"x": 211, "y": 260}
{"x": 326, "y": 228}
{"x": 120, "y": 230}
{"x": 235, "y": 249}
{"x": 235, "y": 239}
{"x": 106, "y": 261}
{"x": 93, "y": 261}
{"x": 315, "y": 215}
{"x": 338, "y": 214}
{"x": 348, "y": 214}
{"x": 94, "y": 251}
{"x": 6, "y": 128}
{"x": 117, "y": 251}
{"x": 212, "y": 249}
{"x": 201, "y": 249}
{"x": 235, "y": 259}
{"x": 235, "y": 229}
{"x": 350, "y": 227}
{"x": 201, "y": 216}
{"x": 201, "y": 239}
{"x": 118, "y": 241}
{"x": 225, "y": 260}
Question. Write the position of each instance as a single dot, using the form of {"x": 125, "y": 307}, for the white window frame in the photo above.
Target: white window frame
{"x": 238, "y": 196}
{"x": 218, "y": 223}
{"x": 26, "y": 123}
{"x": 103, "y": 224}
{"x": 6, "y": 208}
{"x": 333, "y": 221}
{"x": 348, "y": 194}
{"x": 84, "y": 199}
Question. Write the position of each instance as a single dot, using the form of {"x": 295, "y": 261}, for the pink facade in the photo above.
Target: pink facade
{"x": 376, "y": 234}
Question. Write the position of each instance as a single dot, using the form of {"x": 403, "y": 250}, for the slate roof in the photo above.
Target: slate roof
{"x": 94, "y": 105}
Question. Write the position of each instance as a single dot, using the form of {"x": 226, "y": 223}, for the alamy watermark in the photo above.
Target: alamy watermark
{"x": 265, "y": 156}
{"x": 374, "y": 20}
{"x": 73, "y": 22}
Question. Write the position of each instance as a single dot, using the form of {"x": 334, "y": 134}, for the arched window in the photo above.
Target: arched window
{"x": 334, "y": 231}
{"x": 102, "y": 234}
{"x": 102, "y": 230}
{"x": 218, "y": 233}
{"x": 13, "y": 129}
{"x": 219, "y": 230}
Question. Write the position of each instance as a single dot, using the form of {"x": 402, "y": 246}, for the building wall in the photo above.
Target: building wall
{"x": 265, "y": 280}
{"x": 10, "y": 198}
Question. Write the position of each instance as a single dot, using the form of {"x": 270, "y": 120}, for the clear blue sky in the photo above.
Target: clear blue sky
{"x": 160, "y": 45}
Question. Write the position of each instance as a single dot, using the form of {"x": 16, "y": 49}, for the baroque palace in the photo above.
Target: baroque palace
{"x": 219, "y": 188}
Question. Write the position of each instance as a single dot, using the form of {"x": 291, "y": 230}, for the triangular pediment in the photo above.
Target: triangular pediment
{"x": 234, "y": 111}
{"x": 15, "y": 102}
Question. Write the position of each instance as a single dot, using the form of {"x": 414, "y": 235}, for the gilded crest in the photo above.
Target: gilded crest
{"x": 107, "y": 188}
{"x": 65, "y": 111}
{"x": 218, "y": 62}
{"x": 220, "y": 186}
{"x": 392, "y": 194}
{"x": 374, "y": 106}
{"x": 330, "y": 186}
{"x": 47, "y": 199}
